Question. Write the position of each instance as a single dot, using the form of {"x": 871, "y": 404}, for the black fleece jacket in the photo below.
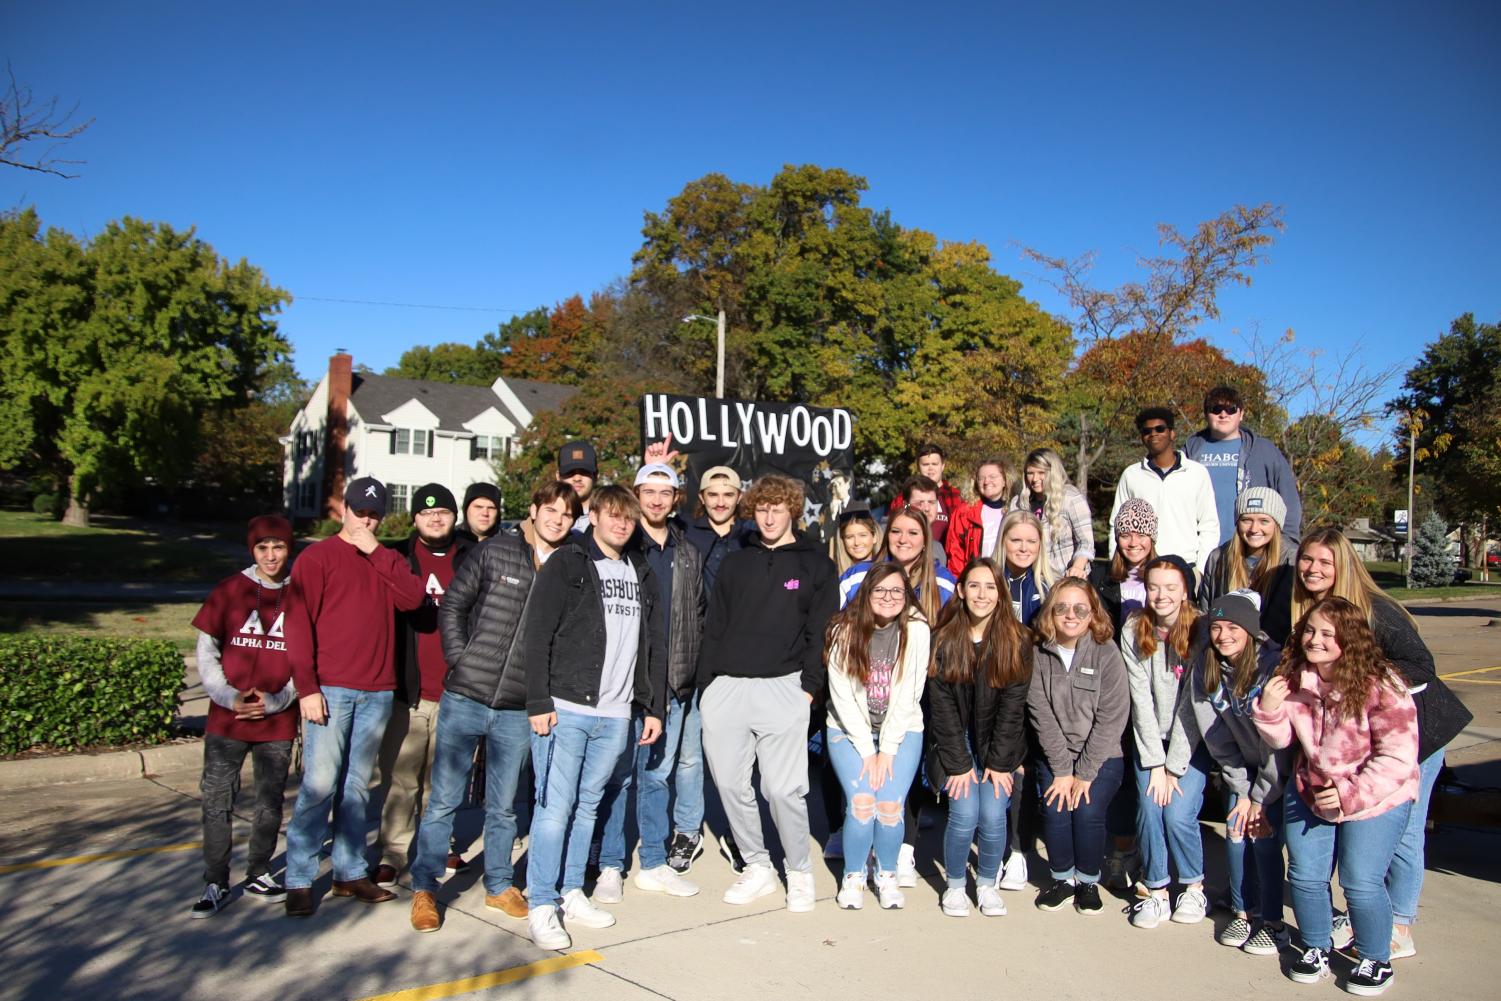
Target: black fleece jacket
{"x": 768, "y": 612}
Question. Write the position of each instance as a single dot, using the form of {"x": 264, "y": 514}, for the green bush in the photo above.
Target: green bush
{"x": 45, "y": 504}
{"x": 70, "y": 692}
{"x": 396, "y": 525}
{"x": 327, "y": 527}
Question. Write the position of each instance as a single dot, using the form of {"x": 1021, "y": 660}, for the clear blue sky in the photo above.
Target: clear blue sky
{"x": 417, "y": 154}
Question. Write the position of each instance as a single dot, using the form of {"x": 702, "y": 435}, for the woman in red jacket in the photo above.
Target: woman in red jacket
{"x": 975, "y": 529}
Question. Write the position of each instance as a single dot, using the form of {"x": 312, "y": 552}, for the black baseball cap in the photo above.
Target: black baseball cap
{"x": 366, "y": 494}
{"x": 577, "y": 457}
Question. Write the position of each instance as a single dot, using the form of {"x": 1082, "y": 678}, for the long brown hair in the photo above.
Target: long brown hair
{"x": 1361, "y": 665}
{"x": 1004, "y": 652}
{"x": 1242, "y": 666}
{"x": 1120, "y": 569}
{"x": 1236, "y": 578}
{"x": 1180, "y": 636}
{"x": 923, "y": 580}
{"x": 849, "y": 630}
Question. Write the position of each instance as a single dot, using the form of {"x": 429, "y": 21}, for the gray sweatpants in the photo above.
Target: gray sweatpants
{"x": 760, "y": 721}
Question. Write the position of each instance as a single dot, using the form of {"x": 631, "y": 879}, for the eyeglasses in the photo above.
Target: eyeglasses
{"x": 1224, "y": 408}
{"x": 1079, "y": 611}
{"x": 888, "y": 592}
{"x": 1154, "y": 430}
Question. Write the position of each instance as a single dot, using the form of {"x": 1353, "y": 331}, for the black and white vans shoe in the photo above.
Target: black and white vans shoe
{"x": 1371, "y": 977}
{"x": 1311, "y": 967}
{"x": 265, "y": 887}
{"x": 215, "y": 898}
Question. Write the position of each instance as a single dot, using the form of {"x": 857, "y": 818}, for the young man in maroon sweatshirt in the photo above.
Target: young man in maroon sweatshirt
{"x": 341, "y": 635}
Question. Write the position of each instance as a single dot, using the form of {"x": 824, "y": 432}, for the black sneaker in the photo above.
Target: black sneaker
{"x": 1311, "y": 967}
{"x": 1370, "y": 978}
{"x": 1055, "y": 895}
{"x": 684, "y": 850}
{"x": 215, "y": 898}
{"x": 265, "y": 887}
{"x": 1087, "y": 899}
{"x": 731, "y": 852}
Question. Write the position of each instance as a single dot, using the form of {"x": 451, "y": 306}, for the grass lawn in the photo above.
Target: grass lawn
{"x": 34, "y": 547}
{"x": 171, "y": 621}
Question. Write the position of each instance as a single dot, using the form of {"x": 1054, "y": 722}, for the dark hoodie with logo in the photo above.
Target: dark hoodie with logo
{"x": 767, "y": 614}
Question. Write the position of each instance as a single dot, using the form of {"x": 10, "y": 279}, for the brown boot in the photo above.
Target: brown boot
{"x": 362, "y": 889}
{"x": 424, "y": 912}
{"x": 300, "y": 903}
{"x": 510, "y": 901}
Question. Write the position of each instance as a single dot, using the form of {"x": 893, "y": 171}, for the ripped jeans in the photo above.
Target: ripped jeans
{"x": 873, "y": 816}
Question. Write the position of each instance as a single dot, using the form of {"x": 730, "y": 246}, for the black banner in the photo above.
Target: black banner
{"x": 812, "y": 444}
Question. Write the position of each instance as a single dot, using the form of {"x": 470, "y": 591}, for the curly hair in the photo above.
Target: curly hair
{"x": 773, "y": 489}
{"x": 1361, "y": 665}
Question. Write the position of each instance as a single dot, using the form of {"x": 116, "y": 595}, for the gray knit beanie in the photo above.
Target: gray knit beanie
{"x": 1261, "y": 500}
{"x": 1242, "y": 607}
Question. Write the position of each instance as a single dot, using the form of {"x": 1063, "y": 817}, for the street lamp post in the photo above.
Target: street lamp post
{"x": 719, "y": 352}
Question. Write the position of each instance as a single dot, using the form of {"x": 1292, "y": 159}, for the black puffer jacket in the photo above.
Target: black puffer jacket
{"x": 426, "y": 619}
{"x": 992, "y": 721}
{"x": 481, "y": 619}
{"x": 686, "y": 620}
{"x": 563, "y": 641}
{"x": 1441, "y": 716}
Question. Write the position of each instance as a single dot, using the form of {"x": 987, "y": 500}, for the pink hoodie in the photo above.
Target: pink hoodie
{"x": 1372, "y": 759}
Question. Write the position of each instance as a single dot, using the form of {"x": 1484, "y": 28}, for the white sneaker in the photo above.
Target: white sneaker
{"x": 851, "y": 894}
{"x": 1150, "y": 911}
{"x": 547, "y": 933}
{"x": 609, "y": 888}
{"x": 663, "y": 879}
{"x": 580, "y": 910}
{"x": 992, "y": 904}
{"x": 906, "y": 867}
{"x": 801, "y": 895}
{"x": 1192, "y": 906}
{"x": 1014, "y": 876}
{"x": 887, "y": 891}
{"x": 834, "y": 847}
{"x": 755, "y": 881}
{"x": 1341, "y": 932}
{"x": 955, "y": 902}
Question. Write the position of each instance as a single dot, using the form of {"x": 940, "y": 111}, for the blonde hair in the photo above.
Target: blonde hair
{"x": 841, "y": 556}
{"x": 1352, "y": 581}
{"x": 1236, "y": 577}
{"x": 1042, "y": 568}
{"x": 1053, "y": 486}
{"x": 923, "y": 577}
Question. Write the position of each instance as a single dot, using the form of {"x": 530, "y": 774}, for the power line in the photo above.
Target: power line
{"x": 411, "y": 305}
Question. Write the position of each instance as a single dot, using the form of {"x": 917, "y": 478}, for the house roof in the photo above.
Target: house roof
{"x": 452, "y": 403}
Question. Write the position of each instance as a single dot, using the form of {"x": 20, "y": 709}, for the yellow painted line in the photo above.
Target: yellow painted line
{"x": 1476, "y": 681}
{"x": 1461, "y": 674}
{"x": 541, "y": 968}
{"x": 52, "y": 863}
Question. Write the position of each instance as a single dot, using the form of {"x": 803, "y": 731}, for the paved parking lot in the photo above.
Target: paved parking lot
{"x": 97, "y": 879}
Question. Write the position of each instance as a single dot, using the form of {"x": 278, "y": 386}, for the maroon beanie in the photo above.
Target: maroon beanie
{"x": 268, "y": 526}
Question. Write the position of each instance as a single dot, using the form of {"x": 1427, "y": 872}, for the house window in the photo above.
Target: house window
{"x": 307, "y": 494}
{"x": 411, "y": 441}
{"x": 398, "y": 494}
{"x": 491, "y": 447}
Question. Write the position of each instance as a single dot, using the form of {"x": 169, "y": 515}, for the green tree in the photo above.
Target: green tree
{"x": 1432, "y": 566}
{"x": 113, "y": 349}
{"x": 448, "y": 362}
{"x": 1450, "y": 397}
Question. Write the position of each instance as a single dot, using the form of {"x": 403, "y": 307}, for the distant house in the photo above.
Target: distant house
{"x": 1369, "y": 544}
{"x": 405, "y": 433}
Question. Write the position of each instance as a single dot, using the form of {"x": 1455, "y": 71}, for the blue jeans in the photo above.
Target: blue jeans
{"x": 887, "y": 804}
{"x": 980, "y": 817}
{"x": 1364, "y": 849}
{"x": 1264, "y": 879}
{"x": 1404, "y": 880}
{"x": 462, "y": 724}
{"x": 652, "y": 768}
{"x": 337, "y": 756}
{"x": 1076, "y": 838}
{"x": 572, "y": 764}
{"x": 1172, "y": 830}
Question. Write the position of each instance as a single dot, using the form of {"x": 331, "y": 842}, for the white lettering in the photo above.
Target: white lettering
{"x": 773, "y": 430}
{"x": 656, "y": 416}
{"x": 434, "y": 589}
{"x": 844, "y": 431}
{"x": 252, "y": 624}
{"x": 746, "y": 412}
{"x": 801, "y": 435}
{"x": 704, "y": 434}
{"x": 725, "y": 434}
{"x": 823, "y": 435}
{"x": 682, "y": 433}
{"x": 276, "y": 627}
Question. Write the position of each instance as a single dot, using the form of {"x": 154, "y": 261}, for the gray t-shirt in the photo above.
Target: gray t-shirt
{"x": 884, "y": 643}
{"x": 621, "y": 592}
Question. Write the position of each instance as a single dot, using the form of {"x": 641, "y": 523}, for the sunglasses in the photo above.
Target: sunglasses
{"x": 1079, "y": 611}
{"x": 1155, "y": 429}
{"x": 1224, "y": 408}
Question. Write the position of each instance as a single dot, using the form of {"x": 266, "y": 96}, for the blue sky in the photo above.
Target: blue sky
{"x": 501, "y": 155}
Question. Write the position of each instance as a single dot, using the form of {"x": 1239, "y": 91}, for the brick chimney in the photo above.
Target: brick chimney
{"x": 336, "y": 438}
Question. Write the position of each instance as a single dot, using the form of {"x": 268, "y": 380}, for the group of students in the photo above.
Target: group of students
{"x": 971, "y": 653}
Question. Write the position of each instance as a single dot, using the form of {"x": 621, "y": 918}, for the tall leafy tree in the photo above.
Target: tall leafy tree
{"x": 114, "y": 348}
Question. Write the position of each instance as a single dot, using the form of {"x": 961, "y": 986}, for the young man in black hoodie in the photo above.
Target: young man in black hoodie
{"x": 480, "y": 511}
{"x": 435, "y": 552}
{"x": 761, "y": 667}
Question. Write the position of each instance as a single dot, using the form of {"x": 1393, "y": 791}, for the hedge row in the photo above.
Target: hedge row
{"x": 73, "y": 691}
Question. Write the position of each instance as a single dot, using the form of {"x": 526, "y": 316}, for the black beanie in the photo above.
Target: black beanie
{"x": 489, "y": 491}
{"x": 433, "y": 496}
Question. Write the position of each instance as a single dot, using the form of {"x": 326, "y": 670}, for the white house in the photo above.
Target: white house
{"x": 403, "y": 432}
